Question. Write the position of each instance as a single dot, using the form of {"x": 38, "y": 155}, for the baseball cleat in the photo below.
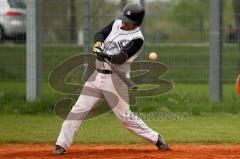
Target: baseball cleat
{"x": 161, "y": 144}
{"x": 59, "y": 150}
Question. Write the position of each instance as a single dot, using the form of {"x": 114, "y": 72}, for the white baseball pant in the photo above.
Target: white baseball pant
{"x": 115, "y": 92}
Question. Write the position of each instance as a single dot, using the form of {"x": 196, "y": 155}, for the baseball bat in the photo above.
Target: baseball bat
{"x": 131, "y": 85}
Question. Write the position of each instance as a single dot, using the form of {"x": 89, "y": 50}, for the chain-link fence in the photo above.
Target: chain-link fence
{"x": 177, "y": 30}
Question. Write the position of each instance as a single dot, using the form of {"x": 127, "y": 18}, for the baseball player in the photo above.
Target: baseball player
{"x": 120, "y": 42}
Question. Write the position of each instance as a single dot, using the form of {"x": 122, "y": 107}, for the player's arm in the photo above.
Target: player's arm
{"x": 126, "y": 52}
{"x": 100, "y": 37}
{"x": 103, "y": 34}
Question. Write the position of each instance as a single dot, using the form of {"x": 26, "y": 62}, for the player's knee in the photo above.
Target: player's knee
{"x": 80, "y": 108}
{"x": 127, "y": 117}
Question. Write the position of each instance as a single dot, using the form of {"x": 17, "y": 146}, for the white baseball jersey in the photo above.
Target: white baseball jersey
{"x": 115, "y": 41}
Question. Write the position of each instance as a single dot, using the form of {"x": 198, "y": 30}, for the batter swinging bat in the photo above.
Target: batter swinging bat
{"x": 131, "y": 85}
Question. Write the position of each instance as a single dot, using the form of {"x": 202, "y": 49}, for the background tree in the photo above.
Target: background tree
{"x": 192, "y": 15}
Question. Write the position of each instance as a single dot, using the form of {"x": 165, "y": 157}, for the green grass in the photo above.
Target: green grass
{"x": 35, "y": 122}
{"x": 181, "y": 98}
{"x": 221, "y": 128}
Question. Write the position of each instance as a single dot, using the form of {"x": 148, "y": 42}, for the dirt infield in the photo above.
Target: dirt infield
{"x": 179, "y": 151}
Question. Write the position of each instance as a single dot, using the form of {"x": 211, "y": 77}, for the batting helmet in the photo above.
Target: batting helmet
{"x": 133, "y": 14}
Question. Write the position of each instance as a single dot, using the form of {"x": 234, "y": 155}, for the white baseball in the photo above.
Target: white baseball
{"x": 153, "y": 56}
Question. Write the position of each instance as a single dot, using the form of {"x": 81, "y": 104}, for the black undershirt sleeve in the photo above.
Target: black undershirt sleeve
{"x": 103, "y": 34}
{"x": 127, "y": 51}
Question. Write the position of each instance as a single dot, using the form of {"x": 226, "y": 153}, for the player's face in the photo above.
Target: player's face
{"x": 127, "y": 26}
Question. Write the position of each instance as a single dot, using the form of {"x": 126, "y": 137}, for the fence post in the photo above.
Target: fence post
{"x": 34, "y": 50}
{"x": 215, "y": 50}
{"x": 236, "y": 11}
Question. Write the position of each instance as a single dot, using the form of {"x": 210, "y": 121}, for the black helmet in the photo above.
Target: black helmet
{"x": 133, "y": 14}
